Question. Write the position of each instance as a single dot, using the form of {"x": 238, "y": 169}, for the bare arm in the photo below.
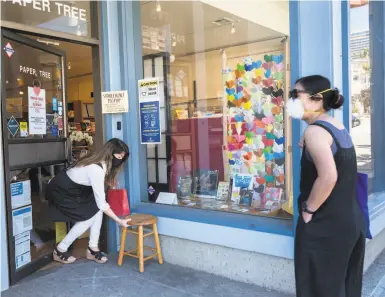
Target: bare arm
{"x": 318, "y": 143}
{"x": 96, "y": 178}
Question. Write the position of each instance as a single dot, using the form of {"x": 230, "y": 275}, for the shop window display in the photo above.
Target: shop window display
{"x": 223, "y": 125}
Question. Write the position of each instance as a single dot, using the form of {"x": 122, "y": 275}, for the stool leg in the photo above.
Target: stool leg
{"x": 122, "y": 244}
{"x": 140, "y": 249}
{"x": 157, "y": 243}
{"x": 137, "y": 242}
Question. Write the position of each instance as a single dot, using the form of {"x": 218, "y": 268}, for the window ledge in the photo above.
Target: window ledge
{"x": 212, "y": 217}
{"x": 376, "y": 205}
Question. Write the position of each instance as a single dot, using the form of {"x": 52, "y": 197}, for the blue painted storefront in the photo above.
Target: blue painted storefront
{"x": 312, "y": 50}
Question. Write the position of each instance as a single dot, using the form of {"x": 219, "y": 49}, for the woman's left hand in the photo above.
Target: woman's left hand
{"x": 307, "y": 217}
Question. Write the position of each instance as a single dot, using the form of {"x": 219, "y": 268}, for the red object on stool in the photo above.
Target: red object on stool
{"x": 118, "y": 201}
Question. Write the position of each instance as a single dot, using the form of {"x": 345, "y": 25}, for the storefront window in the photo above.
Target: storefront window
{"x": 360, "y": 87}
{"x": 33, "y": 92}
{"x": 224, "y": 134}
{"x": 73, "y": 17}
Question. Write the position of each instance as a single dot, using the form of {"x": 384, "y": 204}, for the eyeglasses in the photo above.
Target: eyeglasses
{"x": 294, "y": 93}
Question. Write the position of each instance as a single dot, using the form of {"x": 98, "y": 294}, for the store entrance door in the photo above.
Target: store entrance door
{"x": 34, "y": 130}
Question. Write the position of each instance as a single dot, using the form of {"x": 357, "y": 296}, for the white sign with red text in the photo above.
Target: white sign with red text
{"x": 36, "y": 110}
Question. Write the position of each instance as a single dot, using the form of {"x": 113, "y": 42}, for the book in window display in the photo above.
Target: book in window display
{"x": 206, "y": 183}
{"x": 223, "y": 191}
{"x": 242, "y": 185}
{"x": 185, "y": 187}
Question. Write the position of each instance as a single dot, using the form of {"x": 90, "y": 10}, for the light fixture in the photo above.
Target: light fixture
{"x": 69, "y": 66}
{"x": 21, "y": 93}
{"x": 6, "y": 82}
{"x": 78, "y": 31}
{"x": 47, "y": 42}
{"x": 18, "y": 79}
{"x": 233, "y": 30}
{"x": 174, "y": 43}
{"x": 158, "y": 7}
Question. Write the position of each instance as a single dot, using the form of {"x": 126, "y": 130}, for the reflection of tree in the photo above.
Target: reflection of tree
{"x": 365, "y": 99}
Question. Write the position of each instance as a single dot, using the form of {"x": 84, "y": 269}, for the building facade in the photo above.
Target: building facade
{"x": 219, "y": 69}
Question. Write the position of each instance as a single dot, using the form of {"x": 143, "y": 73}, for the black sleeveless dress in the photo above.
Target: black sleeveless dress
{"x": 69, "y": 201}
{"x": 330, "y": 249}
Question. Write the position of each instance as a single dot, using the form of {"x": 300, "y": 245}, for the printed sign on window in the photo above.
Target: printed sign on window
{"x": 36, "y": 110}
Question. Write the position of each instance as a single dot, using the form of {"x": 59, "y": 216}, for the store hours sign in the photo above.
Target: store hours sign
{"x": 115, "y": 102}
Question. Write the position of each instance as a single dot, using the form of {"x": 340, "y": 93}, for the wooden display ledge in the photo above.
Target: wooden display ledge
{"x": 229, "y": 206}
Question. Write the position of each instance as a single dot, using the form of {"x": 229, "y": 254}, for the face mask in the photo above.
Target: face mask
{"x": 295, "y": 109}
{"x": 116, "y": 162}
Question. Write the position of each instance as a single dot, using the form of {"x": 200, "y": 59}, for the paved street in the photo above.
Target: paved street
{"x": 361, "y": 136}
{"x": 91, "y": 279}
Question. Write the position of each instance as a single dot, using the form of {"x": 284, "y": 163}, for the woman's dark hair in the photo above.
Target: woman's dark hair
{"x": 113, "y": 146}
{"x": 314, "y": 84}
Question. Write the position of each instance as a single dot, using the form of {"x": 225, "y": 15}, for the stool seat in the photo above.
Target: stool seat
{"x": 137, "y": 224}
{"x": 141, "y": 220}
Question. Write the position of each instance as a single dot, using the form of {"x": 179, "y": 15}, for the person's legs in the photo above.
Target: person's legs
{"x": 353, "y": 283}
{"x": 95, "y": 231}
{"x": 74, "y": 233}
{"x": 93, "y": 252}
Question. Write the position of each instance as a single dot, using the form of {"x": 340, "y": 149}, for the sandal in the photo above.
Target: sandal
{"x": 61, "y": 257}
{"x": 97, "y": 256}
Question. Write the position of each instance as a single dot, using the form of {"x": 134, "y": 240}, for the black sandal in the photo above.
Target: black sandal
{"x": 61, "y": 257}
{"x": 97, "y": 256}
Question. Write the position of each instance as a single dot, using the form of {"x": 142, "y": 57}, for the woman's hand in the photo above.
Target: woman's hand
{"x": 123, "y": 222}
{"x": 307, "y": 217}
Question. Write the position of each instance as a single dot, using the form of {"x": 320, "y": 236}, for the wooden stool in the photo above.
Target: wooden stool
{"x": 139, "y": 221}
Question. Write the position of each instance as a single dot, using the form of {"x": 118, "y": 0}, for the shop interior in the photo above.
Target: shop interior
{"x": 222, "y": 118}
{"x": 78, "y": 83}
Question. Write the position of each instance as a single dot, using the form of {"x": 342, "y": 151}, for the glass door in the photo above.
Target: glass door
{"x": 34, "y": 131}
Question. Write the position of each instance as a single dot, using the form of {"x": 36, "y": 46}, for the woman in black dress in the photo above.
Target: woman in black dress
{"x": 77, "y": 195}
{"x": 330, "y": 235}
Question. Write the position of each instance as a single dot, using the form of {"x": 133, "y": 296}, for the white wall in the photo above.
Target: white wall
{"x": 259, "y": 12}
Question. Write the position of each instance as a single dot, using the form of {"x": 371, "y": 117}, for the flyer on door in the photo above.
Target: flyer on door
{"x": 36, "y": 110}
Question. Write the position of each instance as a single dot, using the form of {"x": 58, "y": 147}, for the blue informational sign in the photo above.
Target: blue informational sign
{"x": 54, "y": 104}
{"x": 13, "y": 126}
{"x": 150, "y": 122}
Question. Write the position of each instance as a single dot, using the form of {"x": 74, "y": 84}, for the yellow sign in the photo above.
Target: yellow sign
{"x": 23, "y": 129}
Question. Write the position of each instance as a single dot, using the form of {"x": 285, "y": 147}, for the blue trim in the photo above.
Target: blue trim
{"x": 233, "y": 220}
{"x": 377, "y": 49}
{"x": 130, "y": 46}
{"x": 111, "y": 225}
{"x": 295, "y": 65}
{"x": 345, "y": 28}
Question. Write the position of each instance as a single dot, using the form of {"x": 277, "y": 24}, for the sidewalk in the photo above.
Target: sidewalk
{"x": 90, "y": 279}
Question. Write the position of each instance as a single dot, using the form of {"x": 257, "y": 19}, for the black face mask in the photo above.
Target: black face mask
{"x": 116, "y": 162}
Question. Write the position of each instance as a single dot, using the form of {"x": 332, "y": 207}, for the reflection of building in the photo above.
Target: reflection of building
{"x": 359, "y": 43}
{"x": 200, "y": 51}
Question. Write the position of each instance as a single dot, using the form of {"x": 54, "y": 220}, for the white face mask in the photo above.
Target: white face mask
{"x": 295, "y": 109}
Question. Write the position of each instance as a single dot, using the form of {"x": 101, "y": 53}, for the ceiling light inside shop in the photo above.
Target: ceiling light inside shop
{"x": 21, "y": 93}
{"x": 158, "y": 6}
{"x": 78, "y": 31}
{"x": 48, "y": 42}
{"x": 233, "y": 30}
{"x": 69, "y": 66}
{"x": 223, "y": 21}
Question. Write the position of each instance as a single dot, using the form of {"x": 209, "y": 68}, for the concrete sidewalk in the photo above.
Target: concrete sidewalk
{"x": 91, "y": 279}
